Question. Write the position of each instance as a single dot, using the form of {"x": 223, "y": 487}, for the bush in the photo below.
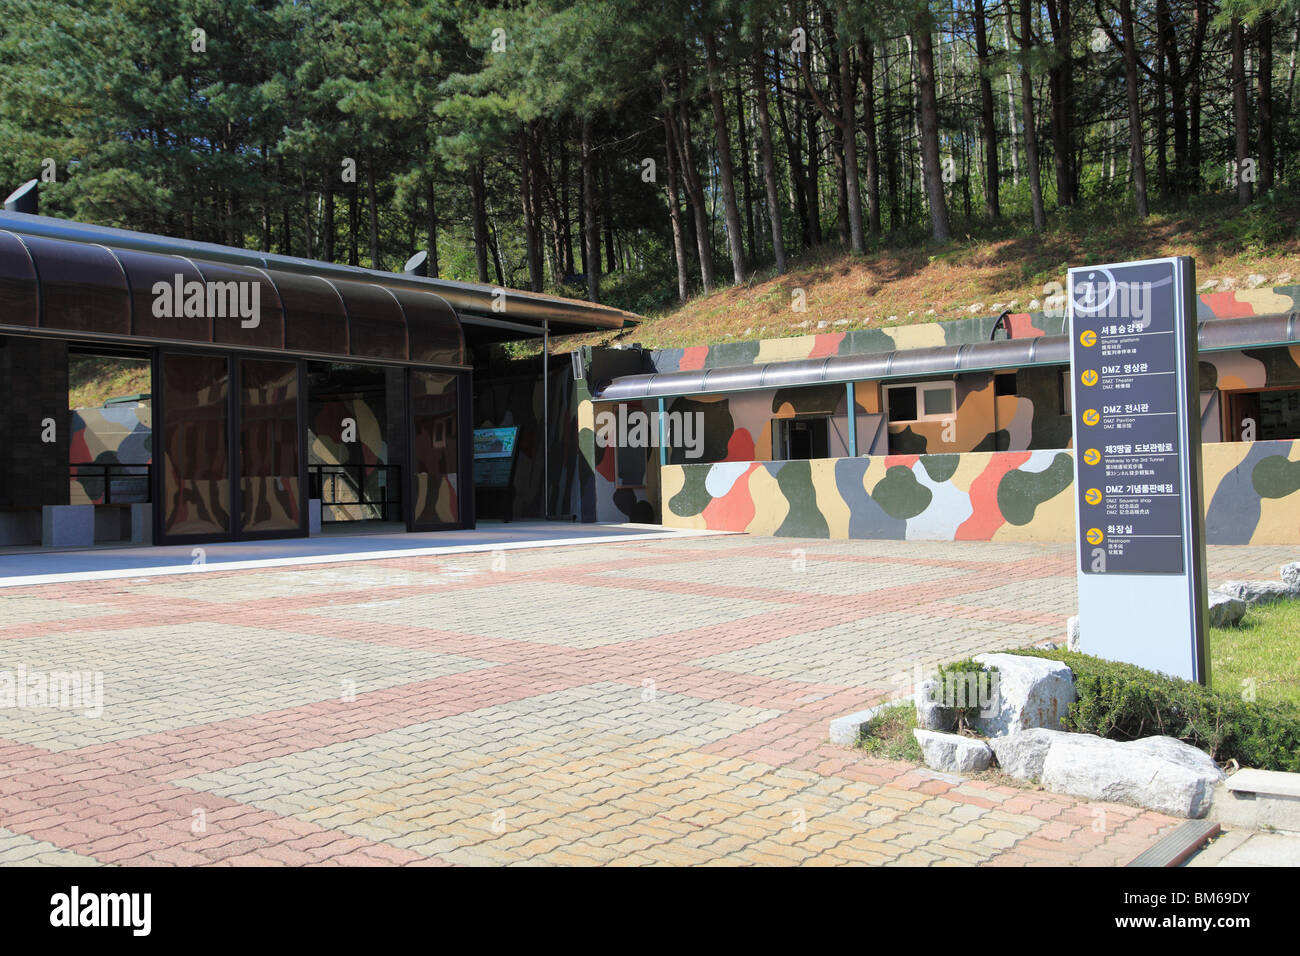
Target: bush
{"x": 1125, "y": 702}
{"x": 962, "y": 686}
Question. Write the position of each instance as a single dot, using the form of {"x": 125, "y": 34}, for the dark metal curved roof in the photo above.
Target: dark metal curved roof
{"x": 1215, "y": 335}
{"x": 476, "y": 304}
{"x": 105, "y": 293}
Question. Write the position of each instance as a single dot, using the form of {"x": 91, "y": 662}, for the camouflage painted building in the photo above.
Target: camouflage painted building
{"x": 948, "y": 430}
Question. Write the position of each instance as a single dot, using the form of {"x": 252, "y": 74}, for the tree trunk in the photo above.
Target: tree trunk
{"x": 867, "y": 77}
{"x": 1240, "y": 121}
{"x": 1178, "y": 98}
{"x": 328, "y": 224}
{"x": 1011, "y": 107}
{"x": 940, "y": 228}
{"x": 793, "y": 151}
{"x": 1137, "y": 151}
{"x": 988, "y": 127}
{"x": 675, "y": 209}
{"x": 746, "y": 180}
{"x": 431, "y": 226}
{"x": 1265, "y": 90}
{"x": 891, "y": 146}
{"x": 372, "y": 201}
{"x": 478, "y": 215}
{"x": 848, "y": 116}
{"x": 735, "y": 238}
{"x": 696, "y": 197}
{"x": 590, "y": 231}
{"x": 1026, "y": 40}
{"x": 1060, "y": 83}
{"x": 769, "y": 162}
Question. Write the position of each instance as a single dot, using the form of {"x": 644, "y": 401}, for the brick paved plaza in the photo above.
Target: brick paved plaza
{"x": 632, "y": 702}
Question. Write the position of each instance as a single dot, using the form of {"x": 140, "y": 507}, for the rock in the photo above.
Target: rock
{"x": 953, "y": 753}
{"x": 1291, "y": 574}
{"x": 847, "y": 729}
{"x": 930, "y": 712}
{"x": 1158, "y": 773}
{"x": 1072, "y": 634}
{"x": 1021, "y": 755}
{"x": 1259, "y": 592}
{"x": 1225, "y": 610}
{"x": 1255, "y": 280}
{"x": 1029, "y": 692}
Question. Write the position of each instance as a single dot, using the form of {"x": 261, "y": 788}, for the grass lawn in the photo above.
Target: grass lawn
{"x": 1262, "y": 653}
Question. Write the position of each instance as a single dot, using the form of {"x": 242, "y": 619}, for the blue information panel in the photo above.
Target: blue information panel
{"x": 1137, "y": 465}
{"x": 494, "y": 454}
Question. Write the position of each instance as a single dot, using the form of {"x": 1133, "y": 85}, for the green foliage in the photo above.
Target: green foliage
{"x": 964, "y": 682}
{"x": 1266, "y": 224}
{"x": 1125, "y": 702}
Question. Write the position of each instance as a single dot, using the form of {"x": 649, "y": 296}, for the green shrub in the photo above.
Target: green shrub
{"x": 964, "y": 680}
{"x": 1125, "y": 702}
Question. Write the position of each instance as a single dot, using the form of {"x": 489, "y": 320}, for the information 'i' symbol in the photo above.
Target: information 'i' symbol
{"x": 1090, "y": 417}
{"x": 1088, "y": 339}
{"x": 1091, "y": 457}
{"x": 1092, "y": 496}
{"x": 1089, "y": 377}
{"x": 1095, "y": 536}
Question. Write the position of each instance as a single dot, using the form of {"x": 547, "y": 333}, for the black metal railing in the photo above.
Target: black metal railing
{"x": 377, "y": 487}
{"x": 110, "y": 484}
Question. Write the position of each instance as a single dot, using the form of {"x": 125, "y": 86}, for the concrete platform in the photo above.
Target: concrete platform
{"x": 27, "y": 567}
{"x": 1249, "y": 848}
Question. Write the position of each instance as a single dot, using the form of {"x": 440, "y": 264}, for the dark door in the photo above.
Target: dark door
{"x": 230, "y": 465}
{"x": 438, "y": 455}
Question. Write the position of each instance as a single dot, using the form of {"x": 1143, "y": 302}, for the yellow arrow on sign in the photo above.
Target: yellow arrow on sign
{"x": 1089, "y": 377}
{"x": 1090, "y": 417}
{"x": 1091, "y": 456}
{"x": 1092, "y": 496}
{"x": 1095, "y": 536}
{"x": 1088, "y": 339}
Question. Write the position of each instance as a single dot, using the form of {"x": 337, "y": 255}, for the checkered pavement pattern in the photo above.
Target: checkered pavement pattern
{"x": 629, "y": 703}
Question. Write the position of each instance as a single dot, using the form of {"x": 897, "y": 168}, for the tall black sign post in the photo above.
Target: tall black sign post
{"x": 1137, "y": 466}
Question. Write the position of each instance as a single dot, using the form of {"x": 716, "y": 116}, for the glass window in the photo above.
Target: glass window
{"x": 911, "y": 403}
{"x": 938, "y": 400}
{"x": 268, "y": 446}
{"x": 435, "y": 449}
{"x": 799, "y": 439}
{"x": 195, "y": 459}
{"x": 902, "y": 403}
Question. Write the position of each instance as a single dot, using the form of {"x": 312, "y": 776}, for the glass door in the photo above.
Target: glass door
{"x": 232, "y": 452}
{"x": 194, "y": 503}
{"x": 436, "y": 456}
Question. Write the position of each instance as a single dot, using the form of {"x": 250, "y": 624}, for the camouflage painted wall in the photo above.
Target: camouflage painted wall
{"x": 1237, "y": 303}
{"x": 1252, "y": 492}
{"x": 119, "y": 434}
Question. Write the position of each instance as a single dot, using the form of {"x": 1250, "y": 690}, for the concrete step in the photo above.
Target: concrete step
{"x": 1258, "y": 800}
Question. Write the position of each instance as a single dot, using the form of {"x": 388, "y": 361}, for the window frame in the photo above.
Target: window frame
{"x": 920, "y": 388}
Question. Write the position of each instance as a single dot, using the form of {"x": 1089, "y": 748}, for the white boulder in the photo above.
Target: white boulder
{"x": 1030, "y": 692}
{"x": 1158, "y": 773}
{"x": 1225, "y": 610}
{"x": 953, "y": 753}
{"x": 1022, "y": 755}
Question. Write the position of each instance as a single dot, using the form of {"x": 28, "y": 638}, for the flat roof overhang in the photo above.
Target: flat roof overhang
{"x": 493, "y": 314}
{"x": 1214, "y": 335}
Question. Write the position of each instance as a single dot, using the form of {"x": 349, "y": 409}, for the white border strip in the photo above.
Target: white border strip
{"x": 301, "y": 560}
